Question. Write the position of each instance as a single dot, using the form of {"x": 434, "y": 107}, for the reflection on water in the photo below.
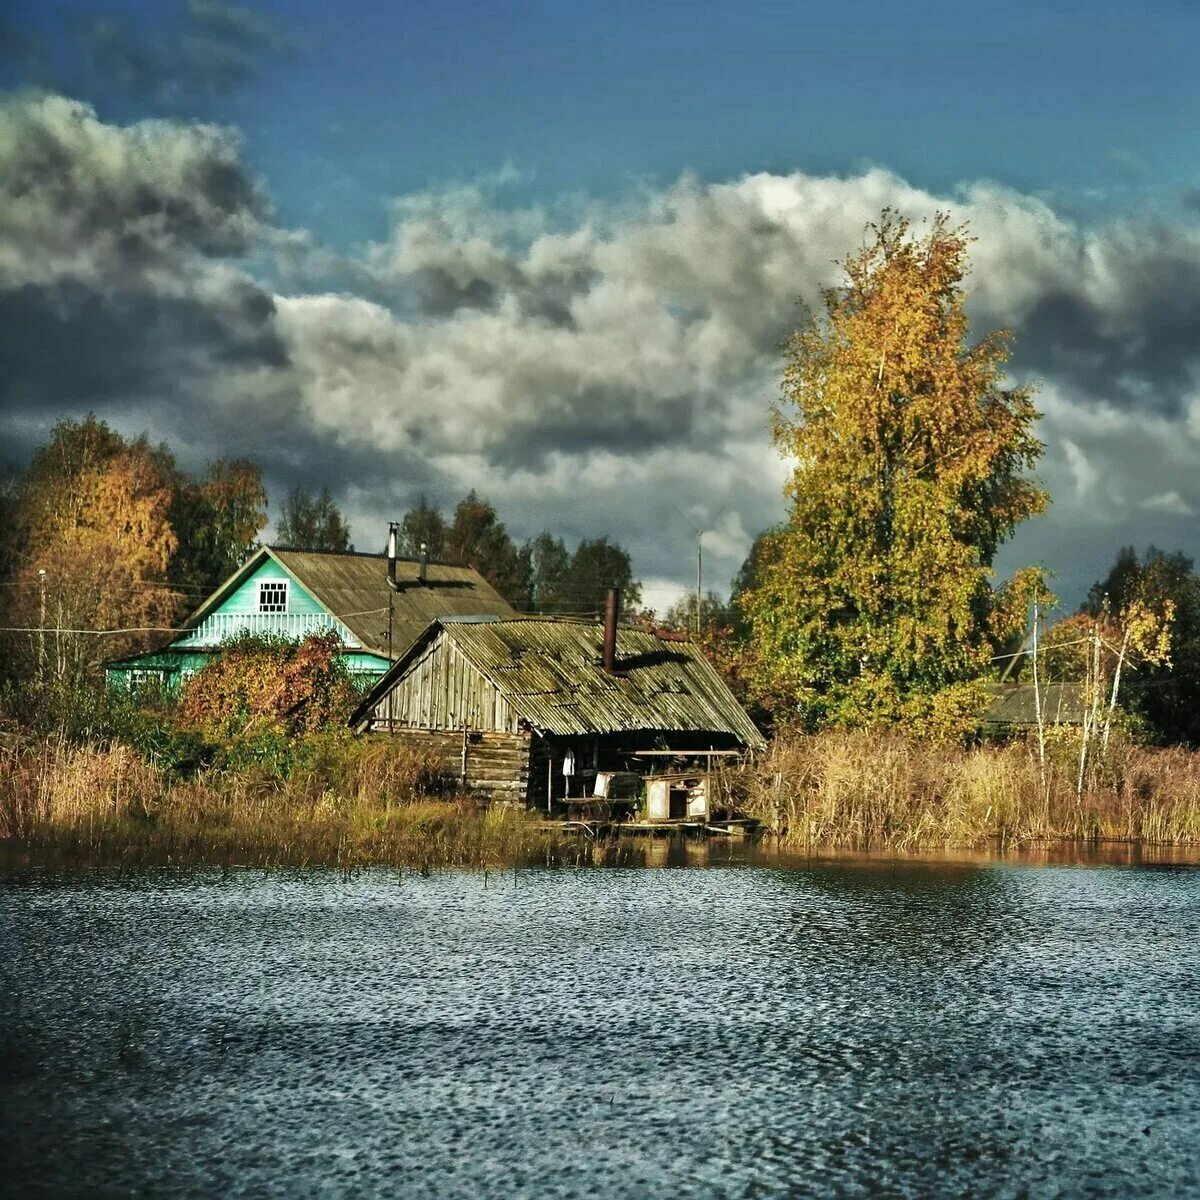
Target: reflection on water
{"x": 800, "y": 1027}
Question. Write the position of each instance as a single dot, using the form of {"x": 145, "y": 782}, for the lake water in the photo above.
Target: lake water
{"x": 843, "y": 1028}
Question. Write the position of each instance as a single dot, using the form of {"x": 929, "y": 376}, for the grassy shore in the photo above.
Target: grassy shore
{"x": 356, "y": 802}
{"x": 362, "y": 804}
{"x": 884, "y": 791}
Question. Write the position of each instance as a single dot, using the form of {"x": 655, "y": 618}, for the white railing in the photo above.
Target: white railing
{"x": 218, "y": 627}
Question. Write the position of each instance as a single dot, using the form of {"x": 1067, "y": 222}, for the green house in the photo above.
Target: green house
{"x": 377, "y": 607}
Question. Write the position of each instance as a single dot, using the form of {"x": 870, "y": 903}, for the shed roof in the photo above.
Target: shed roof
{"x": 550, "y": 672}
{"x": 1016, "y": 704}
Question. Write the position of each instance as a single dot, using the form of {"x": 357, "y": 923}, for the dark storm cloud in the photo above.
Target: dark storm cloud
{"x": 115, "y": 295}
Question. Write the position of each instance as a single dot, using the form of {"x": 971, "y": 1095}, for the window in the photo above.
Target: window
{"x": 272, "y": 596}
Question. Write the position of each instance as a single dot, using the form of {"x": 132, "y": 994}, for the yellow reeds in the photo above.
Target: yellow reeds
{"x": 361, "y": 804}
{"x": 878, "y": 790}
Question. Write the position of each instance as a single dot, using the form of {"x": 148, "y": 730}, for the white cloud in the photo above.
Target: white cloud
{"x": 590, "y": 367}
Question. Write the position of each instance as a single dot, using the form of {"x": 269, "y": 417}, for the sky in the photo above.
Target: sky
{"x": 551, "y": 251}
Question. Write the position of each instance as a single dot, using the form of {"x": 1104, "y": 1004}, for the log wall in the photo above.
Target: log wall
{"x": 497, "y": 764}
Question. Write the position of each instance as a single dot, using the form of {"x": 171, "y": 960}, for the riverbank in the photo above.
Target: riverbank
{"x": 348, "y": 802}
{"x": 867, "y": 790}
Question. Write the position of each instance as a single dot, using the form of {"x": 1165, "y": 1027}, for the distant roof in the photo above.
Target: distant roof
{"x": 1016, "y": 704}
{"x": 550, "y": 672}
{"x": 354, "y": 588}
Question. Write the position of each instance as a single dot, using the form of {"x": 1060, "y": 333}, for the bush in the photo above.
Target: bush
{"x": 257, "y": 681}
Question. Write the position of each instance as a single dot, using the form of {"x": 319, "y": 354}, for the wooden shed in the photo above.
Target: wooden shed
{"x": 1012, "y": 708}
{"x": 531, "y": 709}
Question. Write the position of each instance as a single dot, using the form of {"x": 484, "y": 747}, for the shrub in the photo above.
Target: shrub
{"x": 295, "y": 687}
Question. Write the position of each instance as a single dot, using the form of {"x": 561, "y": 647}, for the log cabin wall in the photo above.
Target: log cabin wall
{"x": 486, "y": 765}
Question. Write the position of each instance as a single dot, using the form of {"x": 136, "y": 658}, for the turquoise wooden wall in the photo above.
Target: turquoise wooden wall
{"x": 178, "y": 660}
{"x": 245, "y": 598}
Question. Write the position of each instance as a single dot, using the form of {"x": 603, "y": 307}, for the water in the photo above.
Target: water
{"x": 836, "y": 1029}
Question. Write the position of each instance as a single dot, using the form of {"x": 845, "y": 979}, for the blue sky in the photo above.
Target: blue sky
{"x": 1094, "y": 105}
{"x": 438, "y": 205}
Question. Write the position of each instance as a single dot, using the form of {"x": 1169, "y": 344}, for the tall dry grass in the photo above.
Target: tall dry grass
{"x": 869, "y": 790}
{"x": 365, "y": 803}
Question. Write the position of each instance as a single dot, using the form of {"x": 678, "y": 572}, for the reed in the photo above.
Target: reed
{"x": 355, "y": 802}
{"x": 860, "y": 790}
{"x": 358, "y": 804}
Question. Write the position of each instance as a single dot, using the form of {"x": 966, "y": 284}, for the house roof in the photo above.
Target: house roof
{"x": 1016, "y": 704}
{"x": 550, "y": 672}
{"x": 354, "y": 588}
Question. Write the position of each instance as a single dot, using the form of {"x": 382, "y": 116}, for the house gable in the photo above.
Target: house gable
{"x": 269, "y": 600}
{"x": 438, "y": 687}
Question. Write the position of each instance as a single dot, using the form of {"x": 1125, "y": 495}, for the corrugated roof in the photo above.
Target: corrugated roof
{"x": 1016, "y": 704}
{"x": 550, "y": 672}
{"x": 354, "y": 588}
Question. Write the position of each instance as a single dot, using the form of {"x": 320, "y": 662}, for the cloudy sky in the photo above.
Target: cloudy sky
{"x": 550, "y": 251}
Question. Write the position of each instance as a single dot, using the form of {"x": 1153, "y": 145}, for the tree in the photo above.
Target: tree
{"x": 297, "y": 687}
{"x": 715, "y": 614}
{"x": 746, "y": 581}
{"x": 545, "y": 562}
{"x": 596, "y": 566}
{"x": 874, "y": 602}
{"x": 1165, "y": 695}
{"x": 478, "y": 538}
{"x": 93, "y": 546}
{"x": 311, "y": 522}
{"x": 218, "y": 517}
{"x": 423, "y": 526}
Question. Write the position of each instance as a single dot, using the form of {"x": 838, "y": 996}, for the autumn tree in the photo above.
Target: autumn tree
{"x": 1166, "y": 695}
{"x": 295, "y": 687}
{"x": 423, "y": 526}
{"x": 92, "y": 547}
{"x": 874, "y": 602}
{"x": 107, "y": 542}
{"x": 312, "y": 522}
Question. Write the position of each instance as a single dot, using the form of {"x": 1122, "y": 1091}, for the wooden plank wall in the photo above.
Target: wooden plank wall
{"x": 442, "y": 690}
{"x": 497, "y": 763}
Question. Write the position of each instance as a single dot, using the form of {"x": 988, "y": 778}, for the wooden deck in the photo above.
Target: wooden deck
{"x": 741, "y": 828}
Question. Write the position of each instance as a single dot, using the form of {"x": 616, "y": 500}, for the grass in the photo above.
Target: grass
{"x": 352, "y": 802}
{"x": 859, "y": 790}
{"x": 363, "y": 804}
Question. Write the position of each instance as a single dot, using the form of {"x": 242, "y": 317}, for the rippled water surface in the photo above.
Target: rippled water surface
{"x": 839, "y": 1029}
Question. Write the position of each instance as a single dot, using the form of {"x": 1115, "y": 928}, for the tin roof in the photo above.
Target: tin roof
{"x": 550, "y": 672}
{"x": 354, "y": 588}
{"x": 1016, "y": 704}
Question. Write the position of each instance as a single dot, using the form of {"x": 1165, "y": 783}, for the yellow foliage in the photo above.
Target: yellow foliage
{"x": 909, "y": 471}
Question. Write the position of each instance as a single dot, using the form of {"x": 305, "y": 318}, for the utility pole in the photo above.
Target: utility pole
{"x": 393, "y": 531}
{"x": 699, "y": 555}
{"x": 42, "y": 626}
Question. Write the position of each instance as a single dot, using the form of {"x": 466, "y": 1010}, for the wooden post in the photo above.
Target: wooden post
{"x": 463, "y": 780}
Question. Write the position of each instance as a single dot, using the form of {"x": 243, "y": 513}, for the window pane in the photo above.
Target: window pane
{"x": 272, "y": 597}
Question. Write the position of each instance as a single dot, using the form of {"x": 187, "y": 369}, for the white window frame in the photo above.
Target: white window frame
{"x": 278, "y": 587}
